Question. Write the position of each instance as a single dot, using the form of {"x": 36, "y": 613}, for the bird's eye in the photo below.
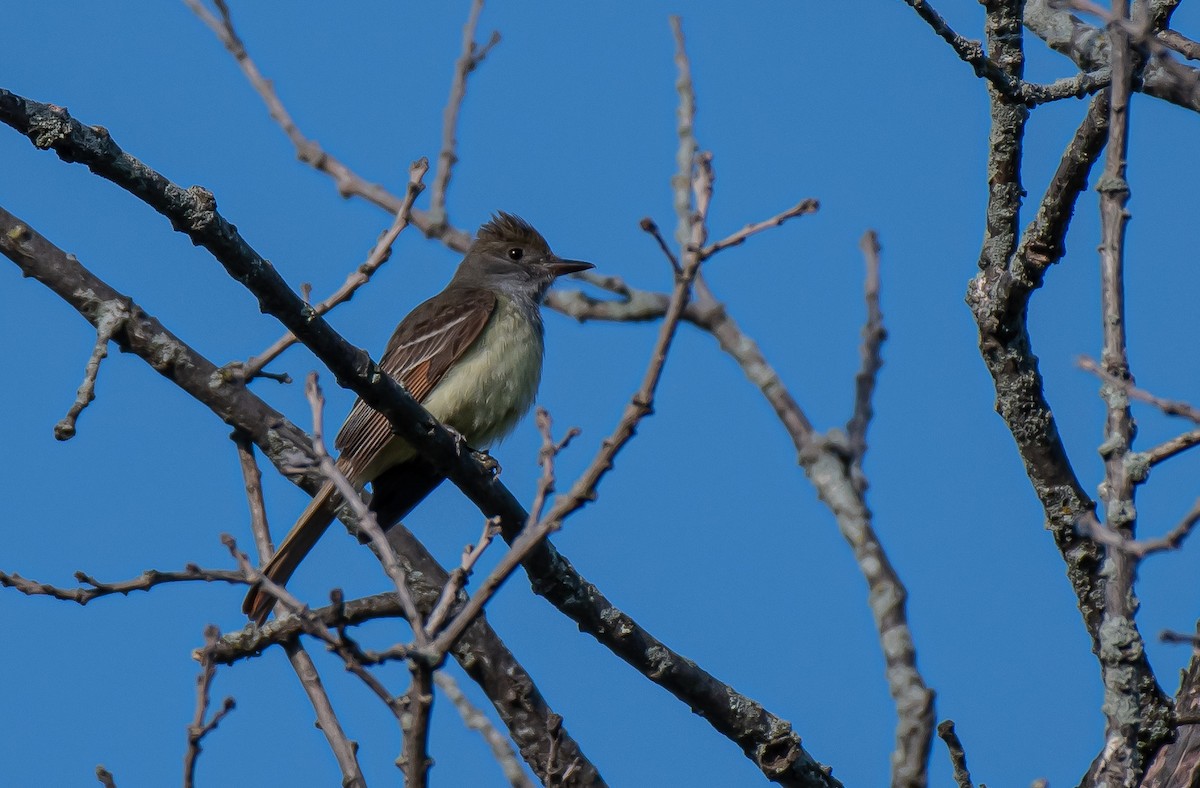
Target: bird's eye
{"x": 516, "y": 253}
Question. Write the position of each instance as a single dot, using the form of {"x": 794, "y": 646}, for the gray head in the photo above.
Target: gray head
{"x": 510, "y": 256}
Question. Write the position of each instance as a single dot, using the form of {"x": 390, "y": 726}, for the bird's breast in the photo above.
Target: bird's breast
{"x": 493, "y": 384}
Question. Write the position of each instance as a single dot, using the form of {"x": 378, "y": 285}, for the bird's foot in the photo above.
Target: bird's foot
{"x": 487, "y": 461}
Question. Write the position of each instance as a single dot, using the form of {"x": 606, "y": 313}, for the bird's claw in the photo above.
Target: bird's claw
{"x": 487, "y": 461}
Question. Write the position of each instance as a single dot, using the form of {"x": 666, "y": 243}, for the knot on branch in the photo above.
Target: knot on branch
{"x": 201, "y": 209}
{"x": 48, "y": 129}
{"x": 776, "y": 757}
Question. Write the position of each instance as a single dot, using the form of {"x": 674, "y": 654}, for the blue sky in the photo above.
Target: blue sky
{"x": 707, "y": 532}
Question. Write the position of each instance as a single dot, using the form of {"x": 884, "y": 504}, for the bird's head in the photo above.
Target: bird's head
{"x": 510, "y": 255}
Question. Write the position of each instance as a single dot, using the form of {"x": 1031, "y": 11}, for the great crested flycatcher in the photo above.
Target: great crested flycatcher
{"x": 472, "y": 355}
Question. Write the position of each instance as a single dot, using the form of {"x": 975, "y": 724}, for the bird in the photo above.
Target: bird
{"x": 471, "y": 355}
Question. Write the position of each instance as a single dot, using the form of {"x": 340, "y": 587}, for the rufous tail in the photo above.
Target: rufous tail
{"x": 295, "y": 546}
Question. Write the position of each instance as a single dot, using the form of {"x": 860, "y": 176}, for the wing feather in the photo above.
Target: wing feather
{"x": 425, "y": 344}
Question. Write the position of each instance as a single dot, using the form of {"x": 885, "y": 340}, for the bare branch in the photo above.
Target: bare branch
{"x": 1044, "y": 240}
{"x": 418, "y": 704}
{"x": 535, "y": 532}
{"x": 105, "y": 777}
{"x": 971, "y": 52}
{"x": 109, "y": 324}
{"x": 313, "y": 625}
{"x": 349, "y": 183}
{"x": 252, "y": 480}
{"x": 345, "y": 752}
{"x": 476, "y": 720}
{"x": 458, "y": 578}
{"x": 380, "y": 254}
{"x": 685, "y": 158}
{"x": 481, "y": 652}
{"x": 1087, "y": 46}
{"x": 1180, "y": 43}
{"x": 958, "y": 756}
{"x": 199, "y": 727}
{"x": 1170, "y": 407}
{"x": 648, "y": 225}
{"x": 801, "y": 208}
{"x": 766, "y": 739}
{"x": 1169, "y": 636}
{"x": 93, "y": 588}
{"x": 471, "y": 56}
{"x": 365, "y": 516}
{"x": 1140, "y": 548}
{"x": 873, "y": 336}
{"x": 1168, "y": 448}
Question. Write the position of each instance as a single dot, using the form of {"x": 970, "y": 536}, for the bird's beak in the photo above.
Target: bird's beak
{"x": 559, "y": 267}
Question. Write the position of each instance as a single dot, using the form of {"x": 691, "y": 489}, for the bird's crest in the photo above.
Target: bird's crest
{"x": 509, "y": 228}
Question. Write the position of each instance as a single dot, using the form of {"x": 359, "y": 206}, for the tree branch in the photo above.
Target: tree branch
{"x": 199, "y": 727}
{"x": 468, "y": 60}
{"x": 349, "y": 183}
{"x": 481, "y": 652}
{"x": 345, "y": 752}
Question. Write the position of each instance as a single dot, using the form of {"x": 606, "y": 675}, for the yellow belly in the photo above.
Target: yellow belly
{"x": 486, "y": 392}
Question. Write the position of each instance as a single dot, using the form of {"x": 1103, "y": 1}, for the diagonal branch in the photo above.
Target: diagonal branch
{"x": 476, "y": 720}
{"x": 766, "y": 739}
{"x": 873, "y": 336}
{"x": 345, "y": 752}
{"x": 380, "y": 254}
{"x": 468, "y": 60}
{"x": 349, "y": 183}
{"x": 481, "y": 652}
{"x": 1001, "y": 79}
{"x": 801, "y": 208}
{"x": 201, "y": 727}
{"x": 65, "y": 429}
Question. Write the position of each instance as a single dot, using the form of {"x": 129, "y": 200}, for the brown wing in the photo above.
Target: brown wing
{"x": 431, "y": 338}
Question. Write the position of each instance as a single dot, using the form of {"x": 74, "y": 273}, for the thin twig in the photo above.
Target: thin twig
{"x": 873, "y": 336}
{"x": 1171, "y": 447}
{"x": 252, "y": 481}
{"x": 312, "y": 625}
{"x": 648, "y": 225}
{"x": 801, "y": 208}
{"x": 476, "y": 720}
{"x": 1140, "y": 548}
{"x": 535, "y": 531}
{"x": 1003, "y": 80}
{"x": 366, "y": 517}
{"x": 380, "y": 254}
{"x": 685, "y": 157}
{"x": 1170, "y": 636}
{"x": 345, "y": 752}
{"x": 958, "y": 756}
{"x": 458, "y": 578}
{"x": 105, "y": 777}
{"x": 1170, "y": 407}
{"x": 199, "y": 728}
{"x": 109, "y": 324}
{"x": 418, "y": 705}
{"x": 93, "y": 588}
{"x": 348, "y": 182}
{"x": 481, "y": 651}
{"x": 469, "y": 58}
